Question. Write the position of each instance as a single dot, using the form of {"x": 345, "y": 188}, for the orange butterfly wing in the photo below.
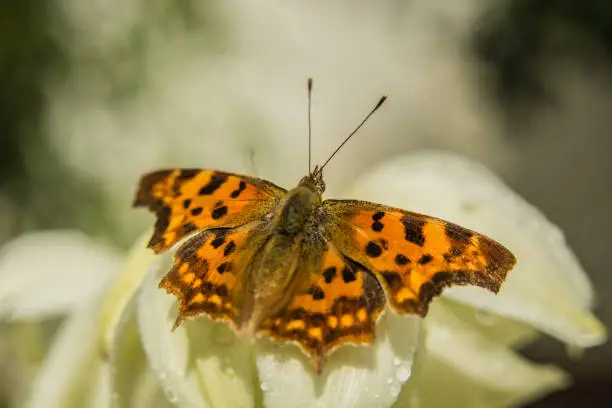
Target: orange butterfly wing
{"x": 415, "y": 256}
{"x": 339, "y": 302}
{"x": 206, "y": 273}
{"x": 186, "y": 200}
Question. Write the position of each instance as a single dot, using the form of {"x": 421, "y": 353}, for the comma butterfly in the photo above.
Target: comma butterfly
{"x": 296, "y": 268}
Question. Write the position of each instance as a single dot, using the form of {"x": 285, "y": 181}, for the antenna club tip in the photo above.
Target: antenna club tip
{"x": 381, "y": 101}
{"x": 309, "y": 83}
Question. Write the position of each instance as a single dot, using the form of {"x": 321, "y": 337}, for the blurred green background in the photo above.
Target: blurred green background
{"x": 544, "y": 67}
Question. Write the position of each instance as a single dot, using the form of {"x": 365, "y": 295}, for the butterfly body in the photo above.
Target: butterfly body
{"x": 292, "y": 267}
{"x": 291, "y": 235}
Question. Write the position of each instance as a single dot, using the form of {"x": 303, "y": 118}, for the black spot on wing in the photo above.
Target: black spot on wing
{"x": 373, "y": 250}
{"x": 425, "y": 259}
{"x": 186, "y": 203}
{"x": 377, "y": 225}
{"x": 188, "y": 227}
{"x": 329, "y": 274}
{"x": 218, "y": 241}
{"x": 239, "y": 190}
{"x": 393, "y": 280}
{"x": 224, "y": 267}
{"x": 219, "y": 212}
{"x": 229, "y": 248}
{"x": 188, "y": 174}
{"x": 317, "y": 293}
{"x": 348, "y": 275}
{"x": 378, "y": 216}
{"x": 401, "y": 260}
{"x": 196, "y": 211}
{"x": 457, "y": 234}
{"x": 216, "y": 181}
{"x": 413, "y": 230}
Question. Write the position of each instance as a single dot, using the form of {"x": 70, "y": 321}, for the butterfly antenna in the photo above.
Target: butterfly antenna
{"x": 309, "y": 126}
{"x": 378, "y": 105}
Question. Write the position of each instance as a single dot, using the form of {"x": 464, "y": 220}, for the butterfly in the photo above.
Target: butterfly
{"x": 293, "y": 267}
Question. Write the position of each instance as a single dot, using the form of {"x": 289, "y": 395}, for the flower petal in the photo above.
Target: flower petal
{"x": 200, "y": 364}
{"x": 44, "y": 274}
{"x": 166, "y": 351}
{"x": 134, "y": 384}
{"x": 72, "y": 374}
{"x": 548, "y": 288}
{"x": 139, "y": 261}
{"x": 463, "y": 368}
{"x": 504, "y": 331}
{"x": 353, "y": 376}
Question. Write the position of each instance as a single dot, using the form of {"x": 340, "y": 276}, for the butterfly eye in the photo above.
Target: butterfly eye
{"x": 320, "y": 183}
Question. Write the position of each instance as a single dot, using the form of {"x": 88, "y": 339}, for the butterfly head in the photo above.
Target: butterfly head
{"x": 314, "y": 180}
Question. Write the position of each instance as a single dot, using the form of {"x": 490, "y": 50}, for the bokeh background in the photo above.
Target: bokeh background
{"x": 94, "y": 92}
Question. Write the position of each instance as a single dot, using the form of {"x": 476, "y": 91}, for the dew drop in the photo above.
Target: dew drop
{"x": 171, "y": 396}
{"x": 263, "y": 386}
{"x": 403, "y": 374}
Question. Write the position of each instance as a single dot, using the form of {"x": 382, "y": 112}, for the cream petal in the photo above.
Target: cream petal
{"x": 166, "y": 351}
{"x": 72, "y": 374}
{"x": 200, "y": 364}
{"x": 464, "y": 368}
{"x": 353, "y": 376}
{"x": 224, "y": 364}
{"x": 139, "y": 261}
{"x": 548, "y": 288}
{"x": 45, "y": 274}
{"x": 134, "y": 384}
{"x": 504, "y": 331}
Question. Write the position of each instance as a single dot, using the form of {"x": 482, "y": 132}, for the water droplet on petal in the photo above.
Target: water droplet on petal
{"x": 263, "y": 386}
{"x": 403, "y": 374}
{"x": 171, "y": 396}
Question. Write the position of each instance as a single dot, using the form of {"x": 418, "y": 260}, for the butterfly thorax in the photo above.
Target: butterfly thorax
{"x": 298, "y": 209}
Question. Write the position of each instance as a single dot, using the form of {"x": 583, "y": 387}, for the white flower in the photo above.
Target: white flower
{"x": 121, "y": 350}
{"x": 204, "y": 97}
